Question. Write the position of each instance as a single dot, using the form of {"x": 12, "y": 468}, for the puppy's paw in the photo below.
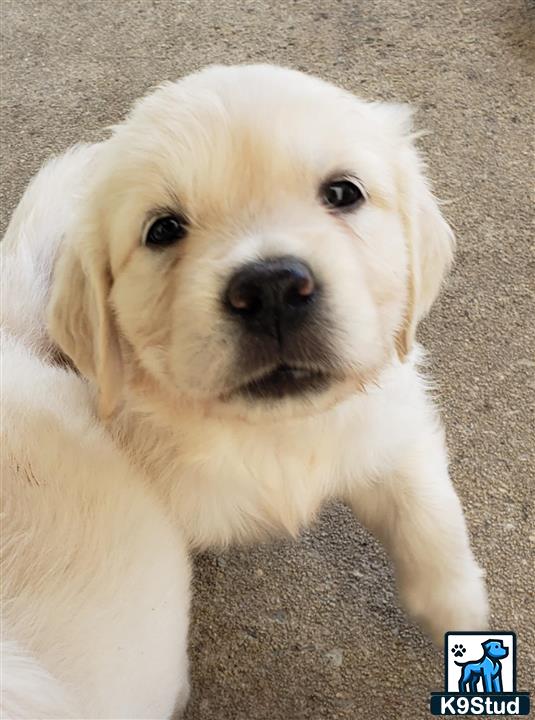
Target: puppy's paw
{"x": 181, "y": 702}
{"x": 449, "y": 603}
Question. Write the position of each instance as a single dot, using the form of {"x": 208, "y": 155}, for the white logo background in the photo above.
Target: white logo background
{"x": 474, "y": 652}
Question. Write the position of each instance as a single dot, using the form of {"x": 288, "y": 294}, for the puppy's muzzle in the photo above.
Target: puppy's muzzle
{"x": 273, "y": 297}
{"x": 282, "y": 346}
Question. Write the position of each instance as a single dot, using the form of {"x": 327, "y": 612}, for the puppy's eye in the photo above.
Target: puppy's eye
{"x": 343, "y": 194}
{"x": 166, "y": 230}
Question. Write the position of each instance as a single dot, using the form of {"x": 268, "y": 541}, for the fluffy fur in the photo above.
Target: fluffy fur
{"x": 95, "y": 578}
{"x": 243, "y": 152}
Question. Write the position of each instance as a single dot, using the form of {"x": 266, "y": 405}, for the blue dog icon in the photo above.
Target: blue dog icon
{"x": 489, "y": 669}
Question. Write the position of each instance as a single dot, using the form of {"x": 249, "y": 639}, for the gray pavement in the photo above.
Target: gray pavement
{"x": 311, "y": 629}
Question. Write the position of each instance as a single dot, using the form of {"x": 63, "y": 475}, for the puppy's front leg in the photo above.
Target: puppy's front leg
{"x": 416, "y": 513}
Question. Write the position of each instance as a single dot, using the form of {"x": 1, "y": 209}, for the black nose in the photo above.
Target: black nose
{"x": 271, "y": 294}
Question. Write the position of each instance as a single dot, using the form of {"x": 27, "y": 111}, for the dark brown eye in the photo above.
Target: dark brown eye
{"x": 343, "y": 194}
{"x": 166, "y": 231}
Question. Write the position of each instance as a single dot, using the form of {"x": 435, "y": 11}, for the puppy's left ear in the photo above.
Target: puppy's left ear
{"x": 430, "y": 240}
{"x": 81, "y": 320}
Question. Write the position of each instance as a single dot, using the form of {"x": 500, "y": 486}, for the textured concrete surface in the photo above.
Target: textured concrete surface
{"x": 311, "y": 629}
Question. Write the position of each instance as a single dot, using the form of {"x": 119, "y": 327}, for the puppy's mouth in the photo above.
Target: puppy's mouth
{"x": 284, "y": 381}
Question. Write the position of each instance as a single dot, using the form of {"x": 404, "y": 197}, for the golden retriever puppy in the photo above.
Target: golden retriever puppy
{"x": 94, "y": 576}
{"x": 253, "y": 252}
{"x": 240, "y": 278}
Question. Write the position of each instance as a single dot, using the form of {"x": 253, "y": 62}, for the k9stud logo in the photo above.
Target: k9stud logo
{"x": 480, "y": 676}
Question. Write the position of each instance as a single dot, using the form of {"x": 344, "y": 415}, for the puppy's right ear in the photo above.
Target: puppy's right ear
{"x": 430, "y": 240}
{"x": 81, "y": 320}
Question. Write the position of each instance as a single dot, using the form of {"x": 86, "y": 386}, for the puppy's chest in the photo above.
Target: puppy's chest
{"x": 236, "y": 494}
{"x": 236, "y": 488}
{"x": 224, "y": 483}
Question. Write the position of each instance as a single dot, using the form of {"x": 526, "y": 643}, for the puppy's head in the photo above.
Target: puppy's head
{"x": 253, "y": 240}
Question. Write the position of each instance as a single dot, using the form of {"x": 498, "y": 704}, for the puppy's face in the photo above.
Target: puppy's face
{"x": 260, "y": 239}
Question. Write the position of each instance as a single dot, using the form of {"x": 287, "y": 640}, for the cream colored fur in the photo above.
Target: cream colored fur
{"x": 243, "y": 152}
{"x": 94, "y": 577}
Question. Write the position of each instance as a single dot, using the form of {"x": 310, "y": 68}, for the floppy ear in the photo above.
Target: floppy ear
{"x": 81, "y": 319}
{"x": 430, "y": 243}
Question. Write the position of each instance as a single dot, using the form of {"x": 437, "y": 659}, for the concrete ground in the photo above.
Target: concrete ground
{"x": 311, "y": 629}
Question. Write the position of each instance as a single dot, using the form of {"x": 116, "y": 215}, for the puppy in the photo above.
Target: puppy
{"x": 240, "y": 282}
{"x": 95, "y": 578}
